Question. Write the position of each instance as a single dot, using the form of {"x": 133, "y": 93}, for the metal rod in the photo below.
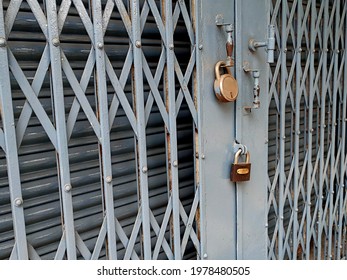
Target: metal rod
{"x": 297, "y": 130}
{"x": 141, "y": 128}
{"x": 172, "y": 136}
{"x": 333, "y": 159}
{"x": 7, "y": 117}
{"x": 61, "y": 132}
{"x": 104, "y": 141}
{"x": 342, "y": 191}
{"x": 283, "y": 98}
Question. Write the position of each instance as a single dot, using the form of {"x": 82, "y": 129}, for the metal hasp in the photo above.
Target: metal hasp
{"x": 269, "y": 44}
{"x": 256, "y": 87}
{"x": 229, "y": 46}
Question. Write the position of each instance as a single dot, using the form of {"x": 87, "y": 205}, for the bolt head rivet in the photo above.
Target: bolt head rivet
{"x": 175, "y": 163}
{"x": 138, "y": 44}
{"x": 18, "y": 201}
{"x": 144, "y": 169}
{"x": 171, "y": 46}
{"x": 205, "y": 256}
{"x": 108, "y": 179}
{"x": 55, "y": 42}
{"x": 100, "y": 45}
{"x": 203, "y": 156}
{"x": 67, "y": 187}
{"x": 200, "y": 47}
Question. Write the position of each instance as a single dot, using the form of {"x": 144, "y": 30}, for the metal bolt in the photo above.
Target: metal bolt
{"x": 335, "y": 124}
{"x": 171, "y": 46}
{"x": 203, "y": 156}
{"x": 18, "y": 202}
{"x": 67, "y": 187}
{"x": 266, "y": 225}
{"x": 205, "y": 256}
{"x": 175, "y": 163}
{"x": 200, "y": 47}
{"x": 138, "y": 44}
{"x": 2, "y": 42}
{"x": 338, "y": 51}
{"x": 282, "y": 218}
{"x": 108, "y": 179}
{"x": 144, "y": 169}
{"x": 285, "y": 50}
{"x": 283, "y": 137}
{"x": 326, "y": 50}
{"x": 189, "y": 225}
{"x": 311, "y": 130}
{"x": 314, "y": 50}
{"x": 296, "y": 210}
{"x": 55, "y": 42}
{"x": 100, "y": 45}
{"x": 266, "y": 141}
{"x": 298, "y": 132}
{"x": 300, "y": 49}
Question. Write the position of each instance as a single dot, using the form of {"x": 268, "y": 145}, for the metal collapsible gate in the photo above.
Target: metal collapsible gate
{"x": 113, "y": 145}
{"x": 307, "y": 131}
{"x": 98, "y": 136}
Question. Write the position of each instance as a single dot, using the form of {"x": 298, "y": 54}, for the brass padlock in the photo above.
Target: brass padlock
{"x": 225, "y": 86}
{"x": 240, "y": 172}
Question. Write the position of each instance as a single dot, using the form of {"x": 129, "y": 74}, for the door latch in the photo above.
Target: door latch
{"x": 253, "y": 45}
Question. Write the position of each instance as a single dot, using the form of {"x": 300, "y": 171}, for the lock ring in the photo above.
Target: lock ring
{"x": 237, "y": 155}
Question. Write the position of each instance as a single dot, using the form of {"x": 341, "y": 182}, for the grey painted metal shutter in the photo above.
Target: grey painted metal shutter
{"x": 89, "y": 140}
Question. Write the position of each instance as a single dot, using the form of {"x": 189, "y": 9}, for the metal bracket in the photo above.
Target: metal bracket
{"x": 256, "y": 87}
{"x": 269, "y": 44}
{"x": 229, "y": 28}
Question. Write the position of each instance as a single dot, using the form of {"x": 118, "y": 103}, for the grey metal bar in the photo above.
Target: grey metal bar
{"x": 81, "y": 246}
{"x": 172, "y": 136}
{"x": 122, "y": 81}
{"x": 124, "y": 239}
{"x": 59, "y": 255}
{"x": 297, "y": 127}
{"x": 155, "y": 92}
{"x": 189, "y": 225}
{"x": 25, "y": 115}
{"x": 7, "y": 117}
{"x": 322, "y": 131}
{"x": 121, "y": 96}
{"x": 100, "y": 241}
{"x": 60, "y": 122}
{"x": 141, "y": 129}
{"x": 333, "y": 160}
{"x": 39, "y": 15}
{"x": 198, "y": 132}
{"x": 105, "y": 150}
{"x": 157, "y": 76}
{"x": 32, "y": 98}
{"x": 161, "y": 241}
{"x": 310, "y": 128}
{"x": 283, "y": 100}
{"x": 130, "y": 252}
{"x": 79, "y": 91}
{"x": 343, "y": 141}
{"x": 10, "y": 17}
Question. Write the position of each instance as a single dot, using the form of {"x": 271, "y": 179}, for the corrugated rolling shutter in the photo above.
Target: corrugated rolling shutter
{"x": 37, "y": 155}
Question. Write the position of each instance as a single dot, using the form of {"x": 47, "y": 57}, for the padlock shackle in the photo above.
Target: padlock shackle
{"x": 220, "y": 64}
{"x": 237, "y": 155}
